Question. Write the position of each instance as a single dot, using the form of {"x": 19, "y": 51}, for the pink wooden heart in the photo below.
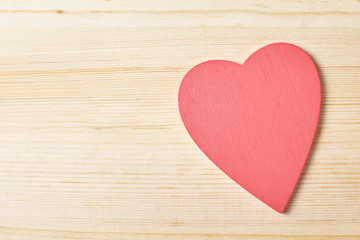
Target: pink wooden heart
{"x": 255, "y": 121}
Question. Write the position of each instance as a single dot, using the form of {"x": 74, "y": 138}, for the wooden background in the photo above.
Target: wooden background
{"x": 91, "y": 141}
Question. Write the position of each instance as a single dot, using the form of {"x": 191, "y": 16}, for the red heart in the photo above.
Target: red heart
{"x": 255, "y": 121}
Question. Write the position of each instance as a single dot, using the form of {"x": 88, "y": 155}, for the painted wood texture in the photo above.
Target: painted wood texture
{"x": 255, "y": 121}
{"x": 92, "y": 145}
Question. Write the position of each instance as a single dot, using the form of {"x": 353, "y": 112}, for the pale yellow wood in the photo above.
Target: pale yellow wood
{"x": 91, "y": 142}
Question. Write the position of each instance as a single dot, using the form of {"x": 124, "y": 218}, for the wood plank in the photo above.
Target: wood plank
{"x": 92, "y": 145}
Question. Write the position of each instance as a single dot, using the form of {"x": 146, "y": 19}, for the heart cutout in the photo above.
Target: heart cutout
{"x": 255, "y": 121}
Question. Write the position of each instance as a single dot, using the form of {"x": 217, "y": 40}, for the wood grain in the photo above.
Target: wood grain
{"x": 92, "y": 145}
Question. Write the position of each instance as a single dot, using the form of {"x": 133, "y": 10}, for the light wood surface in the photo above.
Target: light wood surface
{"x": 91, "y": 142}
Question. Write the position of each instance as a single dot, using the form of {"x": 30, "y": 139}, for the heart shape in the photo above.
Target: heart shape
{"x": 255, "y": 121}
